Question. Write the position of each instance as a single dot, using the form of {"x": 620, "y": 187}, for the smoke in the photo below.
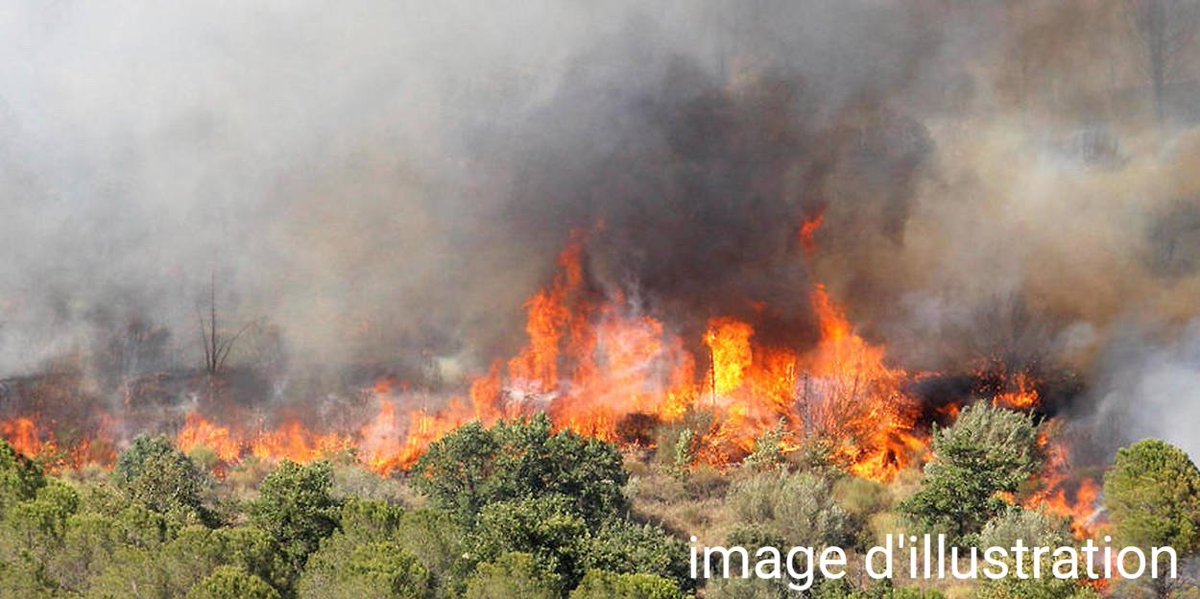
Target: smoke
{"x": 387, "y": 183}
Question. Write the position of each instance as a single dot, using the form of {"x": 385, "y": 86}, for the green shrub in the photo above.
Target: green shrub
{"x": 163, "y": 479}
{"x": 796, "y": 508}
{"x": 230, "y": 582}
{"x": 600, "y": 584}
{"x": 513, "y": 576}
{"x": 624, "y": 547}
{"x": 295, "y": 506}
{"x": 989, "y": 450}
{"x": 523, "y": 459}
{"x": 20, "y": 477}
{"x": 342, "y": 570}
{"x": 545, "y": 527}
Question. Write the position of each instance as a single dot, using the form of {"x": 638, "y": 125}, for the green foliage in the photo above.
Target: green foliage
{"x": 523, "y": 459}
{"x": 342, "y": 570}
{"x": 20, "y": 477}
{"x": 165, "y": 480}
{"x": 22, "y": 579}
{"x": 1033, "y": 529}
{"x": 440, "y": 544}
{"x": 513, "y": 576}
{"x": 624, "y": 547}
{"x": 989, "y": 450}
{"x": 35, "y": 528}
{"x": 885, "y": 590}
{"x": 748, "y": 588}
{"x": 545, "y": 527}
{"x": 133, "y": 572}
{"x": 367, "y": 521}
{"x": 768, "y": 450}
{"x": 255, "y": 551}
{"x": 600, "y": 584}
{"x": 296, "y": 507}
{"x": 1152, "y": 494}
{"x": 88, "y": 544}
{"x": 795, "y": 508}
{"x": 683, "y": 453}
{"x": 862, "y": 500}
{"x": 230, "y": 582}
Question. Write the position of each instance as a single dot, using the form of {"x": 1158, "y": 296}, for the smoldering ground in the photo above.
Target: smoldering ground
{"x": 390, "y": 182}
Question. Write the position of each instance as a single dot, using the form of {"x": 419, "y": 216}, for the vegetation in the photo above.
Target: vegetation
{"x": 988, "y": 451}
{"x": 521, "y": 511}
{"x": 1153, "y": 497}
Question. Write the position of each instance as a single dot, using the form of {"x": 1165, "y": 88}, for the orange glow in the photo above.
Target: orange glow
{"x": 729, "y": 342}
{"x": 592, "y": 363}
{"x": 808, "y": 231}
{"x": 601, "y": 366}
{"x": 200, "y": 433}
{"x": 1063, "y": 493}
{"x": 22, "y": 434}
{"x": 1024, "y": 397}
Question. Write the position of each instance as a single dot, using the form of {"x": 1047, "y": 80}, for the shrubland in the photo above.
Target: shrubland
{"x": 521, "y": 510}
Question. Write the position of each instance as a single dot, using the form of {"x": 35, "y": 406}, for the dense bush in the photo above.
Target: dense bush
{"x": 988, "y": 451}
{"x": 1153, "y": 496}
{"x": 524, "y": 459}
{"x": 20, "y": 478}
{"x": 795, "y": 508}
{"x": 513, "y": 576}
{"x": 296, "y": 507}
{"x": 343, "y": 570}
{"x": 229, "y": 582}
{"x": 165, "y": 480}
{"x": 1033, "y": 529}
{"x": 130, "y": 535}
{"x": 599, "y": 584}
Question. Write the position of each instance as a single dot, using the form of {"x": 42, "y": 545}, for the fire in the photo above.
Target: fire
{"x": 200, "y": 433}
{"x": 22, "y": 434}
{"x": 1024, "y": 397}
{"x": 597, "y": 363}
{"x": 1064, "y": 493}
{"x": 29, "y": 438}
{"x": 808, "y": 231}
{"x": 592, "y": 362}
{"x": 729, "y": 342}
{"x": 858, "y": 398}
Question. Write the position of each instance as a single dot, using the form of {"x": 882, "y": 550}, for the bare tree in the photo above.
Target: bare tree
{"x": 216, "y": 347}
{"x": 1165, "y": 29}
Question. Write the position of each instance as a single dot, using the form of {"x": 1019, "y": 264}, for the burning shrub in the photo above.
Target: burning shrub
{"x": 988, "y": 451}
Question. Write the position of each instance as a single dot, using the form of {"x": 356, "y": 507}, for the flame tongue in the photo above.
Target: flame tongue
{"x": 596, "y": 364}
